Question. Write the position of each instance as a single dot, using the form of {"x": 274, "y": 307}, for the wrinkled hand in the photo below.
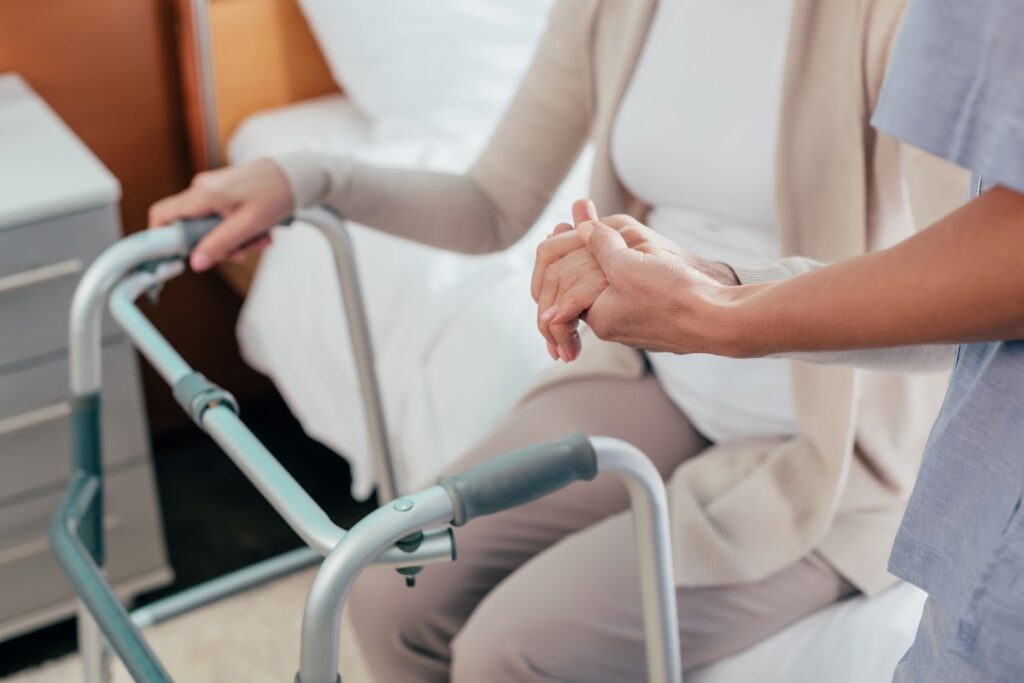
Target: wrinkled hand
{"x": 251, "y": 198}
{"x": 563, "y": 261}
{"x": 655, "y": 293}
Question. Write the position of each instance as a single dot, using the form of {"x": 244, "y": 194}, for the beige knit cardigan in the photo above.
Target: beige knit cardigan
{"x": 741, "y": 510}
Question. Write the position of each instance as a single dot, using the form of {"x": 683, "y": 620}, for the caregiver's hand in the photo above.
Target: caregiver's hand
{"x": 251, "y": 198}
{"x": 658, "y": 295}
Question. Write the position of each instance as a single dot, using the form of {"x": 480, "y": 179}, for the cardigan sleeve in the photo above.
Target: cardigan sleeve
{"x": 497, "y": 201}
{"x": 923, "y": 358}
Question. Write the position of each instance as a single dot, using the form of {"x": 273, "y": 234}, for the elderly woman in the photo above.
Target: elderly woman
{"x": 740, "y": 129}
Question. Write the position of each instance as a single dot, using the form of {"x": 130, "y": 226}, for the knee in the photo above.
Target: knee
{"x": 486, "y": 649}
{"x": 478, "y": 657}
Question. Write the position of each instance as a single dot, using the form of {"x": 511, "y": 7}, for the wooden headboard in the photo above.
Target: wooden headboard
{"x": 239, "y": 57}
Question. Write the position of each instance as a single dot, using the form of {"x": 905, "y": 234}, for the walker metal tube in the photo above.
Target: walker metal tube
{"x": 92, "y": 647}
{"x": 223, "y": 586}
{"x": 649, "y": 503}
{"x": 321, "y": 621}
{"x": 87, "y": 578}
{"x": 334, "y": 229}
{"x": 289, "y": 499}
{"x": 491, "y": 487}
{"x": 145, "y": 337}
{"x": 81, "y": 557}
{"x": 272, "y": 480}
{"x": 90, "y": 297}
{"x": 76, "y": 537}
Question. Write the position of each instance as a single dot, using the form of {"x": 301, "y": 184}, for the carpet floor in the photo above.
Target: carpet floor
{"x": 252, "y": 637}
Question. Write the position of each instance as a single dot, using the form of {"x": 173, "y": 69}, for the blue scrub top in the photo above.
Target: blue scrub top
{"x": 956, "y": 88}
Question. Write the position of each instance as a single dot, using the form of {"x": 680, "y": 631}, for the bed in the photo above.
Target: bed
{"x": 453, "y": 334}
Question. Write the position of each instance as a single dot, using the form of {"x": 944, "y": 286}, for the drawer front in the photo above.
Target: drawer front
{"x": 40, "y": 264}
{"x": 35, "y": 429}
{"x": 30, "y": 578}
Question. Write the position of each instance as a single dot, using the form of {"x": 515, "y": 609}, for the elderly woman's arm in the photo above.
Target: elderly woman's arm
{"x": 486, "y": 209}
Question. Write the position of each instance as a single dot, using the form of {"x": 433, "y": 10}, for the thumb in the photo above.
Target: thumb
{"x": 583, "y": 210}
{"x": 236, "y": 230}
{"x": 604, "y": 242}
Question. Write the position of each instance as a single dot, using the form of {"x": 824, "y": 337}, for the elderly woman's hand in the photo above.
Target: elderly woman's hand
{"x": 251, "y": 198}
{"x": 564, "y": 261}
{"x": 650, "y": 286}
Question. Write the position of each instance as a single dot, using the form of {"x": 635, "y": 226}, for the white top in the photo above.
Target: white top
{"x": 45, "y": 170}
{"x": 695, "y": 138}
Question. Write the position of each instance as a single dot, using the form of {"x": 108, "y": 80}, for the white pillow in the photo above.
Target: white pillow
{"x": 448, "y": 65}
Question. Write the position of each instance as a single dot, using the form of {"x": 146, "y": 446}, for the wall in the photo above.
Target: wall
{"x": 109, "y": 68}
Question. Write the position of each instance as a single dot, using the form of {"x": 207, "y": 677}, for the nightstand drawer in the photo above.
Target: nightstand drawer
{"x": 32, "y": 580}
{"x": 40, "y": 264}
{"x": 35, "y": 427}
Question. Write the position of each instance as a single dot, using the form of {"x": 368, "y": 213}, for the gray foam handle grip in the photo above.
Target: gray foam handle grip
{"x": 196, "y": 229}
{"x": 519, "y": 477}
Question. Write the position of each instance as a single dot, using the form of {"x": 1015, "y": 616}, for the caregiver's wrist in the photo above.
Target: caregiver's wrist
{"x": 729, "y": 322}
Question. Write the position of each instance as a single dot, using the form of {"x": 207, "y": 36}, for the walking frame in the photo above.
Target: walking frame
{"x": 404, "y": 533}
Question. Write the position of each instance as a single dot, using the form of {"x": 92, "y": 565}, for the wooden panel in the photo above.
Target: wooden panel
{"x": 284, "y": 65}
{"x": 105, "y": 67}
{"x": 109, "y": 68}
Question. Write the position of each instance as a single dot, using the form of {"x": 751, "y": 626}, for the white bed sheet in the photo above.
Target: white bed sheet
{"x": 454, "y": 335}
{"x": 456, "y": 346}
{"x": 856, "y": 641}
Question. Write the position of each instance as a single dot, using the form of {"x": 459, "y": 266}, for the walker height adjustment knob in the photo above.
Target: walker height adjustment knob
{"x": 410, "y": 544}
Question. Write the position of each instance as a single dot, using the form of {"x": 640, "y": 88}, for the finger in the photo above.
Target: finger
{"x": 573, "y": 301}
{"x": 583, "y": 210}
{"x": 565, "y": 276}
{"x": 234, "y": 231}
{"x": 619, "y": 221}
{"x": 547, "y": 296}
{"x": 262, "y": 243}
{"x": 255, "y": 246}
{"x": 563, "y": 334}
{"x": 190, "y": 203}
{"x": 567, "y": 340}
{"x": 258, "y": 244}
{"x": 549, "y": 251}
{"x": 545, "y": 309}
{"x": 560, "y": 228}
{"x": 570, "y": 307}
{"x": 605, "y": 243}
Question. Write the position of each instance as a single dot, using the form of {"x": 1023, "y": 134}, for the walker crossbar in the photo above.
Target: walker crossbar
{"x": 141, "y": 263}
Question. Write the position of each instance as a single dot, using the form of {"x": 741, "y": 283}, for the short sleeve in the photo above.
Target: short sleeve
{"x": 955, "y": 85}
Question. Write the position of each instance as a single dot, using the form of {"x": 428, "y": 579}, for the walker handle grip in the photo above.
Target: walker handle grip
{"x": 196, "y": 229}
{"x": 519, "y": 477}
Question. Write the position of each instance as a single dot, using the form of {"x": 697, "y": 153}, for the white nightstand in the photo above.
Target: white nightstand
{"x": 58, "y": 211}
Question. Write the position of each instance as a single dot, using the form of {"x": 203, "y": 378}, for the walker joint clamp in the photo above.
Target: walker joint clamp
{"x": 195, "y": 394}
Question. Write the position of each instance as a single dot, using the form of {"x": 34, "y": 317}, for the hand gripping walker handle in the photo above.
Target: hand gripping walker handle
{"x": 518, "y": 477}
{"x": 196, "y": 229}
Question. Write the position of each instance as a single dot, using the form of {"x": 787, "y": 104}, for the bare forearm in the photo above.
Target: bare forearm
{"x": 960, "y": 280}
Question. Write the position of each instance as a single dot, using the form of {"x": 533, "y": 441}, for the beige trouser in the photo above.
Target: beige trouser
{"x": 549, "y": 591}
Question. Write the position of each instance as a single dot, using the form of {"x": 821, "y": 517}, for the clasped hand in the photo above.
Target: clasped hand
{"x": 629, "y": 284}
